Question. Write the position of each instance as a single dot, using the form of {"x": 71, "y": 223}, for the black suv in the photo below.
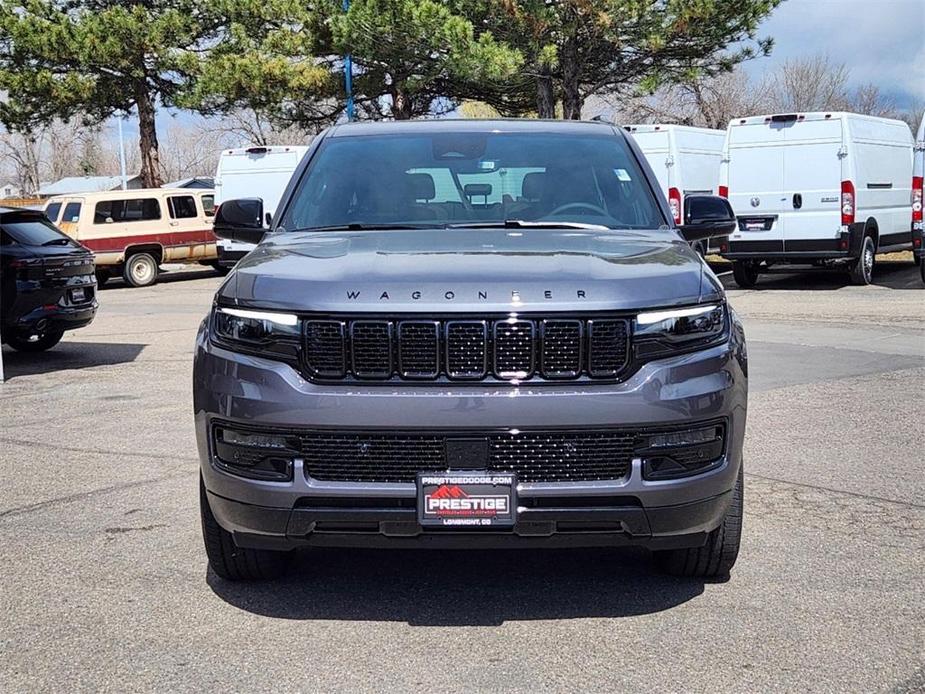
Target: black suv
{"x": 47, "y": 279}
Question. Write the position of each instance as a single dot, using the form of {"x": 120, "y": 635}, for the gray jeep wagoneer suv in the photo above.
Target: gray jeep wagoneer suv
{"x": 471, "y": 334}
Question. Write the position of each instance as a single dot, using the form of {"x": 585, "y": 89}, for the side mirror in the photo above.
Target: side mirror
{"x": 706, "y": 216}
{"x": 240, "y": 220}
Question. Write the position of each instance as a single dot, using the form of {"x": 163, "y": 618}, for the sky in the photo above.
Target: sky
{"x": 880, "y": 41}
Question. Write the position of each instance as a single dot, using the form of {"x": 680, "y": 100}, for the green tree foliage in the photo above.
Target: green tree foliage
{"x": 271, "y": 60}
{"x": 577, "y": 48}
{"x": 95, "y": 58}
{"x": 414, "y": 55}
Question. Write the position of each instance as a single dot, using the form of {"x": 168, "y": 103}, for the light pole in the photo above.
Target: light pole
{"x": 122, "y": 155}
{"x": 348, "y": 75}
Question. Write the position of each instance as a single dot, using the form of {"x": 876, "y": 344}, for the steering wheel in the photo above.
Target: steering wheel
{"x": 586, "y": 205}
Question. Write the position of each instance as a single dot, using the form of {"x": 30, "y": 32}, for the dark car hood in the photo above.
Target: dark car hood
{"x": 470, "y": 270}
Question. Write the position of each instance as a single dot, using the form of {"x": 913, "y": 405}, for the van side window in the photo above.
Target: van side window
{"x": 71, "y": 212}
{"x": 52, "y": 211}
{"x": 181, "y": 207}
{"x": 208, "y": 205}
{"x": 134, "y": 210}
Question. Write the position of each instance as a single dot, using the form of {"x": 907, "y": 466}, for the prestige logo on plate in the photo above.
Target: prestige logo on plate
{"x": 466, "y": 499}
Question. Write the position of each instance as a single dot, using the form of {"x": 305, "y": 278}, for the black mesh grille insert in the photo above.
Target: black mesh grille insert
{"x": 324, "y": 348}
{"x": 419, "y": 349}
{"x": 371, "y": 343}
{"x": 466, "y": 349}
{"x": 561, "y": 348}
{"x": 463, "y": 349}
{"x": 608, "y": 349}
{"x": 534, "y": 456}
{"x": 514, "y": 348}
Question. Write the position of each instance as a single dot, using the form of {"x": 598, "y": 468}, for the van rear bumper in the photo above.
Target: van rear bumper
{"x": 845, "y": 246}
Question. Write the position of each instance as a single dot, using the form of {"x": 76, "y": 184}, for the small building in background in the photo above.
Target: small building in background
{"x": 9, "y": 190}
{"x": 87, "y": 184}
{"x": 197, "y": 182}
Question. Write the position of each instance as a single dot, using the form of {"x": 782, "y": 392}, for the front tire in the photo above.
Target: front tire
{"x": 745, "y": 273}
{"x": 235, "y": 563}
{"x": 862, "y": 271}
{"x": 45, "y": 341}
{"x": 140, "y": 270}
{"x": 718, "y": 555}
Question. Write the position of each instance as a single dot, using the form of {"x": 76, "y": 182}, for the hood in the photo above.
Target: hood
{"x": 459, "y": 270}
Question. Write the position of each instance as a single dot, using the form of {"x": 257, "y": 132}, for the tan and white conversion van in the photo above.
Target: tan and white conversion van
{"x": 131, "y": 232}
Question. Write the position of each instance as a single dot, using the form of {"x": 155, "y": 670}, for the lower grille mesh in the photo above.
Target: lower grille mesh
{"x": 534, "y": 456}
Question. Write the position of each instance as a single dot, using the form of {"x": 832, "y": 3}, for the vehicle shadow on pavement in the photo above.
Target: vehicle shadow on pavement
{"x": 462, "y": 588}
{"x": 892, "y": 275}
{"x": 68, "y": 355}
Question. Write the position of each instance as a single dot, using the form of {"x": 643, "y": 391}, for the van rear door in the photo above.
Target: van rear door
{"x": 756, "y": 181}
{"x": 812, "y": 184}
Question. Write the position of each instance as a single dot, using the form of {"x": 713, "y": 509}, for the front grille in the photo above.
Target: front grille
{"x": 466, "y": 349}
{"x": 549, "y": 456}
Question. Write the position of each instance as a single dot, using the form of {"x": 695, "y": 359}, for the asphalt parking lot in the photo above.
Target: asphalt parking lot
{"x": 104, "y": 583}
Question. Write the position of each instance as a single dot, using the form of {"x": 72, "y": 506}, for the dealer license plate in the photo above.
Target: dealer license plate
{"x": 78, "y": 295}
{"x": 467, "y": 499}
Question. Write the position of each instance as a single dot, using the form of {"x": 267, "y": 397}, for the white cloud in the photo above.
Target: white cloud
{"x": 881, "y": 41}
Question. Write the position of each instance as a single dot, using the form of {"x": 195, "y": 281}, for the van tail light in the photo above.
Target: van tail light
{"x": 724, "y": 192}
{"x": 847, "y": 203}
{"x": 917, "y": 185}
{"x": 674, "y": 202}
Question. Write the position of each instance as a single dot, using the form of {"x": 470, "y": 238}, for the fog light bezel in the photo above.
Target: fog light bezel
{"x": 274, "y": 465}
{"x": 716, "y": 448}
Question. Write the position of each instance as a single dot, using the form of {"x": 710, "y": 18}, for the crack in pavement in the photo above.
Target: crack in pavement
{"x": 884, "y": 522}
{"x": 69, "y": 498}
{"x": 100, "y": 451}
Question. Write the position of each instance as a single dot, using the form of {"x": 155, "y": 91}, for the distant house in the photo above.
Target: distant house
{"x": 10, "y": 190}
{"x": 200, "y": 182}
{"x": 71, "y": 185}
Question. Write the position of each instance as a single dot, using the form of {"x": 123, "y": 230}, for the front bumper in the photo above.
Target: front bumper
{"x": 679, "y": 391}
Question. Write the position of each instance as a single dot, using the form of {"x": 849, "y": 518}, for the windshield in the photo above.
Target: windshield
{"x": 455, "y": 179}
{"x": 31, "y": 229}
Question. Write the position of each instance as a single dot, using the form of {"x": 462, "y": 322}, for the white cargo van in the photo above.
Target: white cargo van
{"x": 822, "y": 189}
{"x": 253, "y": 172}
{"x": 918, "y": 199}
{"x": 685, "y": 160}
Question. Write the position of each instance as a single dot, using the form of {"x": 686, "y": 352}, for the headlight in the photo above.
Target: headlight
{"x": 264, "y": 333}
{"x": 672, "y": 330}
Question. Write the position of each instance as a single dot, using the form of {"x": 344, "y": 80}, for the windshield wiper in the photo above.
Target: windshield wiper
{"x": 362, "y": 226}
{"x": 524, "y": 224}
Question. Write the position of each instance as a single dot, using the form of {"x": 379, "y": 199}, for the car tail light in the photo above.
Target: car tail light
{"x": 674, "y": 202}
{"x": 724, "y": 192}
{"x": 917, "y": 184}
{"x": 847, "y": 203}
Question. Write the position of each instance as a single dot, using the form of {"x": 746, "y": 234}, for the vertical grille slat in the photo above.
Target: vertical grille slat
{"x": 419, "y": 349}
{"x": 466, "y": 349}
{"x": 444, "y": 347}
{"x": 514, "y": 349}
{"x": 562, "y": 341}
{"x": 325, "y": 353}
{"x": 607, "y": 347}
{"x": 371, "y": 348}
